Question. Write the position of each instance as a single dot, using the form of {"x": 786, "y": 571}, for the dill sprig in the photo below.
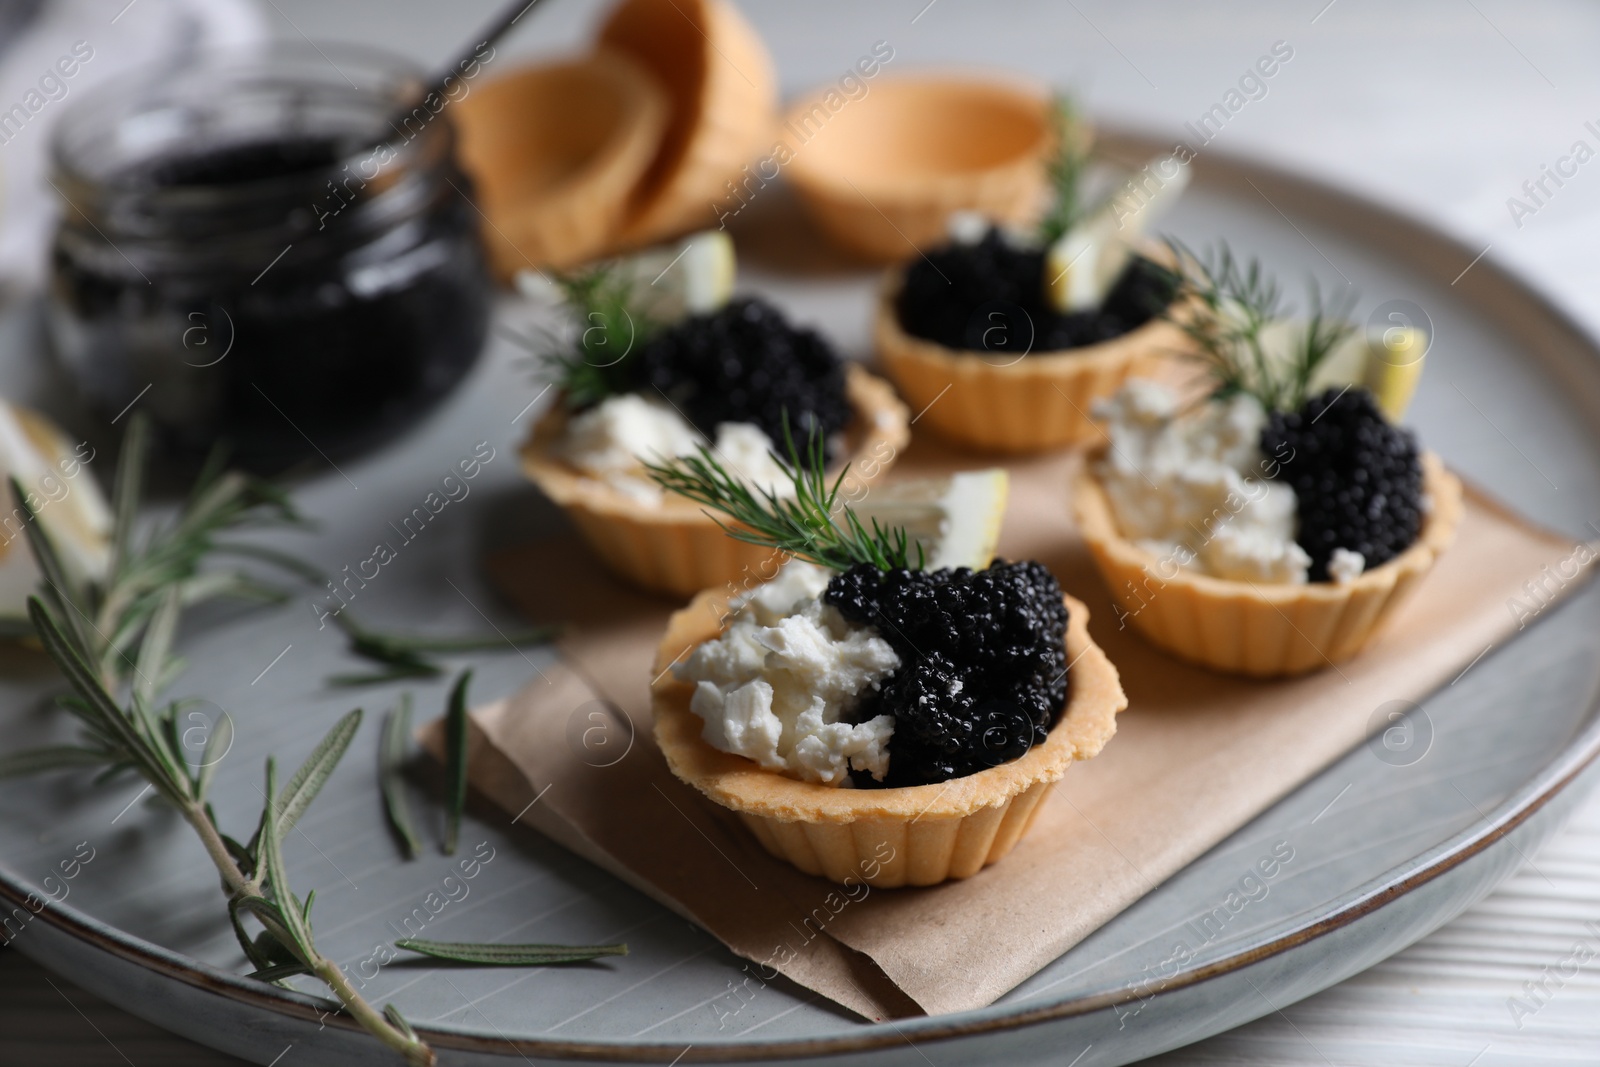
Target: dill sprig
{"x": 1065, "y": 170}
{"x": 1233, "y": 309}
{"x": 609, "y": 323}
{"x": 813, "y": 525}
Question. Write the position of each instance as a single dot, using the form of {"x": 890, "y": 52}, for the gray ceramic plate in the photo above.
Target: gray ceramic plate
{"x": 1393, "y": 847}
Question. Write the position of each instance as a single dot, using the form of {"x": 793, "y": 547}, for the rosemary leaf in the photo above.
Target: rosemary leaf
{"x": 60, "y": 590}
{"x": 289, "y": 915}
{"x": 258, "y": 959}
{"x": 1065, "y": 170}
{"x": 394, "y": 674}
{"x": 398, "y": 1021}
{"x": 455, "y": 739}
{"x": 278, "y": 972}
{"x": 127, "y": 489}
{"x": 405, "y": 655}
{"x": 156, "y": 648}
{"x": 308, "y": 781}
{"x": 493, "y": 954}
{"x": 391, "y": 757}
{"x": 105, "y": 714}
{"x": 51, "y": 758}
{"x": 218, "y": 743}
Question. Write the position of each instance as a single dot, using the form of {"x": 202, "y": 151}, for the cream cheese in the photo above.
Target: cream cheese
{"x": 610, "y": 441}
{"x": 1192, "y": 487}
{"x": 780, "y": 683}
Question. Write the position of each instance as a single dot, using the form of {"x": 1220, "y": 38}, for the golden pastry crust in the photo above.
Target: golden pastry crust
{"x": 916, "y": 835}
{"x": 1016, "y": 404}
{"x": 556, "y": 151}
{"x": 677, "y": 548}
{"x": 724, "y": 95}
{"x": 1261, "y": 629}
{"x": 882, "y": 174}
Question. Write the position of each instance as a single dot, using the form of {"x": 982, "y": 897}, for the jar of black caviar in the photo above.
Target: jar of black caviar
{"x": 274, "y": 249}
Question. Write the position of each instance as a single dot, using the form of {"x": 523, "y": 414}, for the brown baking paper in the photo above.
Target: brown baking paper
{"x": 1196, "y": 756}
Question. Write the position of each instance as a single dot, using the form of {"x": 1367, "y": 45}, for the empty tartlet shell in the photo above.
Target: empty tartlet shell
{"x": 1264, "y": 630}
{"x": 913, "y": 835}
{"x": 677, "y": 548}
{"x": 1030, "y": 403}
{"x": 555, "y": 152}
{"x": 724, "y": 96}
{"x": 882, "y": 174}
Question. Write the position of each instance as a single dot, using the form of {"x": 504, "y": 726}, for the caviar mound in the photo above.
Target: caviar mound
{"x": 745, "y": 362}
{"x": 930, "y": 835}
{"x": 983, "y": 673}
{"x": 1357, "y": 477}
{"x": 989, "y": 297}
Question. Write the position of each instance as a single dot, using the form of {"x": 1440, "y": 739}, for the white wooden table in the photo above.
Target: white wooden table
{"x": 1445, "y": 109}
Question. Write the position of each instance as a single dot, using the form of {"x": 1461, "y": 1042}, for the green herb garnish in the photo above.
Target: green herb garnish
{"x": 391, "y": 760}
{"x": 812, "y": 526}
{"x": 1234, "y": 307}
{"x": 494, "y": 954}
{"x": 609, "y": 325}
{"x": 406, "y": 655}
{"x": 112, "y": 639}
{"x": 1065, "y": 170}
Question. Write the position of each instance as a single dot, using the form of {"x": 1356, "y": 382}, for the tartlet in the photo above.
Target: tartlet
{"x": 1269, "y": 526}
{"x": 932, "y": 832}
{"x": 881, "y": 174}
{"x": 1256, "y": 628}
{"x": 677, "y": 548}
{"x": 556, "y": 152}
{"x": 723, "y": 91}
{"x": 1010, "y": 404}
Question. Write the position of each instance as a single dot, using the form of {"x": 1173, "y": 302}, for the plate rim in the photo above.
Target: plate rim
{"x": 1424, "y": 248}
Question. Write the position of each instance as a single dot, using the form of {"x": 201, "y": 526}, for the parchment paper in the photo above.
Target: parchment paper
{"x": 1196, "y": 756}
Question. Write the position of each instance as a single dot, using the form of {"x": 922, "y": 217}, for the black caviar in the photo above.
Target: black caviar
{"x": 983, "y": 670}
{"x": 989, "y": 296}
{"x": 745, "y": 362}
{"x": 1357, "y": 477}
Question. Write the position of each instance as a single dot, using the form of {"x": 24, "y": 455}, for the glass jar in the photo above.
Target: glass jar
{"x": 258, "y": 249}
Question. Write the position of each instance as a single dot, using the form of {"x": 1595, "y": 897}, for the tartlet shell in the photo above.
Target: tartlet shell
{"x": 593, "y": 124}
{"x": 1034, "y": 403}
{"x": 723, "y": 89}
{"x": 887, "y": 211}
{"x": 677, "y": 548}
{"x": 916, "y": 835}
{"x": 1262, "y": 630}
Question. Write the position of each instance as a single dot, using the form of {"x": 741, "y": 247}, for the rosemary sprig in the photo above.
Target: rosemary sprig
{"x": 1065, "y": 170}
{"x": 812, "y": 525}
{"x": 1234, "y": 306}
{"x": 112, "y": 639}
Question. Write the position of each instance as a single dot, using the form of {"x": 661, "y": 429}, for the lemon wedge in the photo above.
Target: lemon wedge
{"x": 955, "y": 519}
{"x": 1081, "y": 267}
{"x": 688, "y": 277}
{"x": 63, "y": 494}
{"x": 1386, "y": 363}
{"x": 1394, "y": 366}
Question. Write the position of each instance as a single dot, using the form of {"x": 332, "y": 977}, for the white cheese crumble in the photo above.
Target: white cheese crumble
{"x": 610, "y": 440}
{"x": 1192, "y": 487}
{"x": 777, "y": 684}
{"x": 1345, "y": 566}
